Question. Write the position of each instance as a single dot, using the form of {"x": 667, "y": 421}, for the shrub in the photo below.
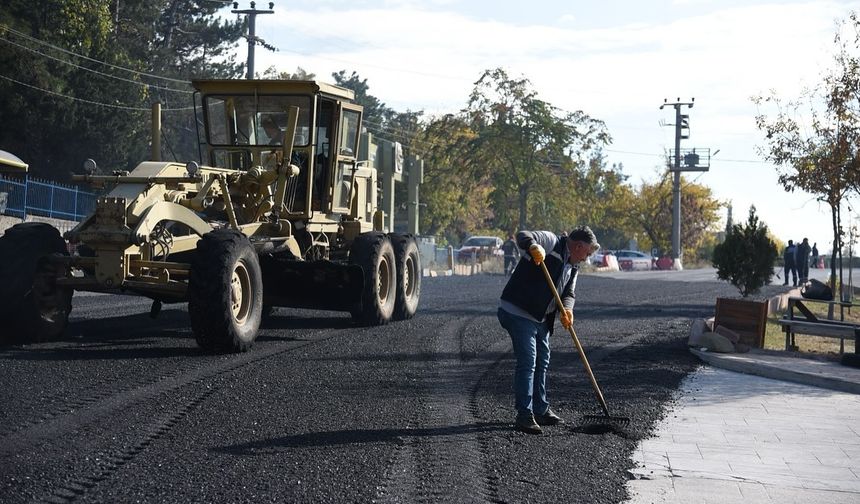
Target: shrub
{"x": 747, "y": 256}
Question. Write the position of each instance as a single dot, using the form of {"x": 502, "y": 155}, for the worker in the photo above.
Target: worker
{"x": 511, "y": 251}
{"x": 527, "y": 310}
{"x": 272, "y": 130}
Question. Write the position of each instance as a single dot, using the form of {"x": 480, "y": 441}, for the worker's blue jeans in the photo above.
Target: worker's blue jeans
{"x": 531, "y": 347}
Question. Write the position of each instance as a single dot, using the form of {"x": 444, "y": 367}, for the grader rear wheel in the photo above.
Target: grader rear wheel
{"x": 408, "y": 276}
{"x": 374, "y": 253}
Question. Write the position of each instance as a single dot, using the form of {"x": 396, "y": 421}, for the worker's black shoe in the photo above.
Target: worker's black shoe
{"x": 526, "y": 423}
{"x": 548, "y": 418}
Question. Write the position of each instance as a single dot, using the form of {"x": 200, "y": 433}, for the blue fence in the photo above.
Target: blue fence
{"x": 29, "y": 196}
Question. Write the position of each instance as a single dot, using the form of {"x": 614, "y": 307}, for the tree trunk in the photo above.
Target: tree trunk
{"x": 524, "y": 203}
{"x": 838, "y": 229}
{"x": 836, "y": 246}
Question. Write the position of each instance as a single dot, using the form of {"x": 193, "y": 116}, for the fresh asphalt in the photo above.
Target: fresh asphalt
{"x": 127, "y": 409}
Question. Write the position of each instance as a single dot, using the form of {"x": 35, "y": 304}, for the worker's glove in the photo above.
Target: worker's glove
{"x": 566, "y": 318}
{"x": 538, "y": 253}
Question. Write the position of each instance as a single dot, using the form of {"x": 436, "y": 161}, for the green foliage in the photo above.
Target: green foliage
{"x": 529, "y": 149}
{"x": 84, "y": 73}
{"x": 376, "y": 113}
{"x": 511, "y": 154}
{"x": 604, "y": 201}
{"x": 456, "y": 188}
{"x": 747, "y": 256}
{"x": 652, "y": 212}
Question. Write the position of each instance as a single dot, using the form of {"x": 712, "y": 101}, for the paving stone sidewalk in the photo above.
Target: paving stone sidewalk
{"x": 733, "y": 437}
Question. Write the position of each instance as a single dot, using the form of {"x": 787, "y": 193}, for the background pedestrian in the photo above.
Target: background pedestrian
{"x": 801, "y": 258}
{"x": 789, "y": 264}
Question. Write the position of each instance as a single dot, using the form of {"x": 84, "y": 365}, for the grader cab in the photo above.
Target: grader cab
{"x": 278, "y": 212}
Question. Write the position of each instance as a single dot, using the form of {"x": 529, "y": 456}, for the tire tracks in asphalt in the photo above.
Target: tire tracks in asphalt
{"x": 446, "y": 459}
{"x": 201, "y": 378}
{"x": 107, "y": 465}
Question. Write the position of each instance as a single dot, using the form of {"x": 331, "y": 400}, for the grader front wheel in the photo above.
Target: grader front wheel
{"x": 225, "y": 292}
{"x": 33, "y": 308}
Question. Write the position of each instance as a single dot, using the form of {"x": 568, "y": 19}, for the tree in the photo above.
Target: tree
{"x": 87, "y": 73}
{"x": 819, "y": 154}
{"x": 456, "y": 187}
{"x": 299, "y": 74}
{"x": 605, "y": 201}
{"x": 652, "y": 212}
{"x": 180, "y": 40}
{"x": 41, "y": 125}
{"x": 527, "y": 142}
{"x": 376, "y": 113}
{"x": 746, "y": 258}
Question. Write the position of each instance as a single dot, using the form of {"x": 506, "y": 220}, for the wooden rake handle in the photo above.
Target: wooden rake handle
{"x": 576, "y": 342}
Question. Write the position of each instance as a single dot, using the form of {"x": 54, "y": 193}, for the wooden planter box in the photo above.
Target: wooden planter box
{"x": 747, "y": 318}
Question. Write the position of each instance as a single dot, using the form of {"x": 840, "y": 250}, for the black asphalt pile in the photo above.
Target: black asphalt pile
{"x": 128, "y": 410}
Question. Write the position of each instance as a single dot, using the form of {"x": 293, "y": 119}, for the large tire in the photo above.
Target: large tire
{"x": 408, "y": 276}
{"x": 225, "y": 292}
{"x": 374, "y": 253}
{"x": 33, "y": 308}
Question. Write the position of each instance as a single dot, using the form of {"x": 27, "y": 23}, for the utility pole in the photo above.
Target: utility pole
{"x": 252, "y": 30}
{"x": 682, "y": 122}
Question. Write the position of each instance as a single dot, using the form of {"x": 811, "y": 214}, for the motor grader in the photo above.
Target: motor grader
{"x": 279, "y": 212}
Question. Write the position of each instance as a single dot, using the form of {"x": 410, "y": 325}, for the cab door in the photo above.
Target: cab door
{"x": 348, "y": 129}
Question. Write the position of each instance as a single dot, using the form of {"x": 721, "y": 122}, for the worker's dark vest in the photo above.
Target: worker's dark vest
{"x": 527, "y": 287}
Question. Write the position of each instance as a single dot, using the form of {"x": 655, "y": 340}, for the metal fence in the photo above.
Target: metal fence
{"x": 30, "y": 196}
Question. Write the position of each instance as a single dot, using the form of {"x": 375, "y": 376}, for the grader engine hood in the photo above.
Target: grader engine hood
{"x": 151, "y": 193}
{"x": 128, "y": 223}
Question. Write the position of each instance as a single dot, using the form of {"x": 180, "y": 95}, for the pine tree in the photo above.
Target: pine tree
{"x": 746, "y": 258}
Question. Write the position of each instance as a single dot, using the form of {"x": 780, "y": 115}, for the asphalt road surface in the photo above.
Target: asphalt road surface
{"x": 127, "y": 409}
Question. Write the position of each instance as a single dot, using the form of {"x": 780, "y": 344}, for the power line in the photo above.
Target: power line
{"x": 91, "y": 102}
{"x": 651, "y": 154}
{"x": 66, "y": 62}
{"x": 66, "y": 51}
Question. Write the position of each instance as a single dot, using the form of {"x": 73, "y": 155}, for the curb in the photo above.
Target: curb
{"x": 741, "y": 364}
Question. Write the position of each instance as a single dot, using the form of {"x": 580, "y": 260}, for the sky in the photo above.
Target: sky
{"x": 616, "y": 60}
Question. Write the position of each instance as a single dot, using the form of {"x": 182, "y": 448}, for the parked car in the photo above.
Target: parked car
{"x": 630, "y": 260}
{"x": 484, "y": 247}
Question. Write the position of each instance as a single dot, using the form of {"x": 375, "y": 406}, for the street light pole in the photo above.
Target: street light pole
{"x": 252, "y": 30}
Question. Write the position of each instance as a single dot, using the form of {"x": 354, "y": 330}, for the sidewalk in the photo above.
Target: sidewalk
{"x": 756, "y": 428}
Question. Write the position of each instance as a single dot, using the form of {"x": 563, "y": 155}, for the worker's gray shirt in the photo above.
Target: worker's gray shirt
{"x": 528, "y": 279}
